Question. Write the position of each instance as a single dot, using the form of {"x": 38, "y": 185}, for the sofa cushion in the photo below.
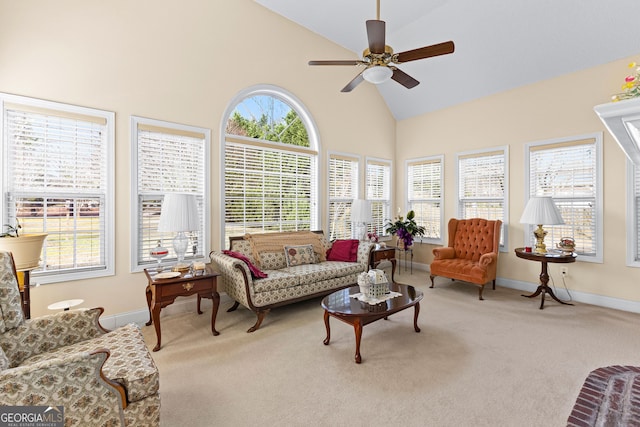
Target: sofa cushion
{"x": 462, "y": 269}
{"x": 277, "y": 279}
{"x": 344, "y": 250}
{"x": 311, "y": 273}
{"x": 262, "y": 244}
{"x": 10, "y": 304}
{"x": 299, "y": 255}
{"x": 130, "y": 363}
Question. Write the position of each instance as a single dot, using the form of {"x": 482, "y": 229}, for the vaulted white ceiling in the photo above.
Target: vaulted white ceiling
{"x": 500, "y": 44}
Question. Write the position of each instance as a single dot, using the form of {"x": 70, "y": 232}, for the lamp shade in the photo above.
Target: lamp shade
{"x": 377, "y": 74}
{"x": 179, "y": 213}
{"x": 361, "y": 211}
{"x": 541, "y": 210}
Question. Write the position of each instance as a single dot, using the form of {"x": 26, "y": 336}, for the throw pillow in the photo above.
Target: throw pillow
{"x": 256, "y": 273}
{"x": 299, "y": 255}
{"x": 344, "y": 250}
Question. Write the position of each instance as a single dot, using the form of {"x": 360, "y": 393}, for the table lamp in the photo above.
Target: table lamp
{"x": 539, "y": 211}
{"x": 361, "y": 215}
{"x": 179, "y": 214}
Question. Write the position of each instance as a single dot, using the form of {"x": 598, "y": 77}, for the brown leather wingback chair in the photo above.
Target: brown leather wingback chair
{"x": 472, "y": 253}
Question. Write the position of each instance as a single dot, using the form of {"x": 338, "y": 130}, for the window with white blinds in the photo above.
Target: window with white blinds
{"x": 569, "y": 171}
{"x": 267, "y": 189}
{"x": 482, "y": 181}
{"x": 378, "y": 184}
{"x": 58, "y": 160}
{"x": 425, "y": 186}
{"x": 167, "y": 158}
{"x": 633, "y": 215}
{"x": 343, "y": 189}
{"x": 270, "y": 164}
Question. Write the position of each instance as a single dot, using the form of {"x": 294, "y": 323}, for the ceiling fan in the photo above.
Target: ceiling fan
{"x": 379, "y": 59}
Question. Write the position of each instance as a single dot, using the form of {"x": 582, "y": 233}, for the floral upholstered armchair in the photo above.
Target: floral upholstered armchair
{"x": 472, "y": 253}
{"x": 67, "y": 359}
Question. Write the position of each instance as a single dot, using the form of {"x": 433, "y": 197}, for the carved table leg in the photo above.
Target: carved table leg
{"x": 155, "y": 313}
{"x": 215, "y": 299}
{"x": 326, "y": 325}
{"x": 148, "y": 294}
{"x": 415, "y": 317}
{"x": 357, "y": 326}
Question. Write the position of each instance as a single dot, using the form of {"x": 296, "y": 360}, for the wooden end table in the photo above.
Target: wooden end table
{"x": 163, "y": 292}
{"x": 379, "y": 254}
{"x": 544, "y": 259}
{"x": 358, "y": 313}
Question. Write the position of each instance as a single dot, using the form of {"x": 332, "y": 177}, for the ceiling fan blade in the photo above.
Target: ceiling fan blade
{"x": 353, "y": 83}
{"x": 404, "y": 79}
{"x": 426, "y": 52}
{"x": 336, "y": 62}
{"x": 375, "y": 34}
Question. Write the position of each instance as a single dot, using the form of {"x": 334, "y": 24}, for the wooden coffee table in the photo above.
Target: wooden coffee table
{"x": 358, "y": 313}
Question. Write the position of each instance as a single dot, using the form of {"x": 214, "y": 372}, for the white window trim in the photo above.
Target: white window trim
{"x": 505, "y": 220}
{"x": 632, "y": 216}
{"x": 312, "y": 133}
{"x": 598, "y": 258}
{"x": 358, "y": 160}
{"x": 135, "y": 121}
{"x": 366, "y": 183}
{"x": 109, "y": 223}
{"x": 440, "y": 158}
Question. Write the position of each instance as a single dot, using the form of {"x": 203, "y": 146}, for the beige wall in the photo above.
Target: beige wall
{"x": 556, "y": 108}
{"x": 181, "y": 62}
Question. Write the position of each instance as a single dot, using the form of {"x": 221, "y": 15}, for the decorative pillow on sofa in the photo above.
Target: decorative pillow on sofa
{"x": 344, "y": 250}
{"x": 256, "y": 273}
{"x": 299, "y": 255}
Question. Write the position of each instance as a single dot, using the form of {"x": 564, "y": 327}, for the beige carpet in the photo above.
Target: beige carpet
{"x": 498, "y": 362}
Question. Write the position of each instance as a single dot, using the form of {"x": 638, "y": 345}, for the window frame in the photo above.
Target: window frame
{"x": 67, "y": 110}
{"x": 138, "y": 265}
{"x": 485, "y": 152}
{"x": 314, "y": 146}
{"x": 599, "y": 202}
{"x": 409, "y": 202}
{"x": 388, "y": 188}
{"x": 633, "y": 214}
{"x": 356, "y": 160}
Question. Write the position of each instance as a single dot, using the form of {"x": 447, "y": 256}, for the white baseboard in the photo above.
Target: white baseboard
{"x": 561, "y": 293}
{"x": 185, "y": 305}
{"x": 140, "y": 317}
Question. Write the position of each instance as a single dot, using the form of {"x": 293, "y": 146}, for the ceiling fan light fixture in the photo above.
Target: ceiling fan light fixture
{"x": 377, "y": 74}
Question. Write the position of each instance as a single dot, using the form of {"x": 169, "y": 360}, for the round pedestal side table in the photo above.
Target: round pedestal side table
{"x": 65, "y": 305}
{"x": 544, "y": 259}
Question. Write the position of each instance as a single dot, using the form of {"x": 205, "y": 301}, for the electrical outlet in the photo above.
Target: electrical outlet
{"x": 564, "y": 271}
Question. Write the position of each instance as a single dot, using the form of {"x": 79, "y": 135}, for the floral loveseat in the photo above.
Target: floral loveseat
{"x": 293, "y": 271}
{"x": 66, "y": 359}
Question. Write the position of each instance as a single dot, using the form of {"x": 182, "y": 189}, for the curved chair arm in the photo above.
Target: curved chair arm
{"x": 74, "y": 382}
{"x": 444, "y": 253}
{"x": 46, "y": 333}
{"x": 488, "y": 259}
{"x": 235, "y": 278}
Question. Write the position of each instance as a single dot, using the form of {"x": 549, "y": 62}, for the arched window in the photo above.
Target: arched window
{"x": 270, "y": 158}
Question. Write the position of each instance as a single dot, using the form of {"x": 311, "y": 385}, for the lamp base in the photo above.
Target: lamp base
{"x": 540, "y": 248}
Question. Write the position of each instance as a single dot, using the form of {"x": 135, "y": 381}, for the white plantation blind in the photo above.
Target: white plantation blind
{"x": 635, "y": 257}
{"x": 170, "y": 159}
{"x": 343, "y": 189}
{"x": 481, "y": 187}
{"x": 57, "y": 182}
{"x": 379, "y": 193}
{"x": 425, "y": 186}
{"x": 568, "y": 173}
{"x": 268, "y": 189}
